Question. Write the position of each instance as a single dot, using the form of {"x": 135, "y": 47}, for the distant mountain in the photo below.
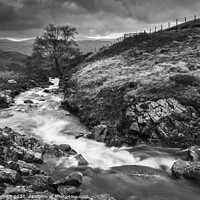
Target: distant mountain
{"x": 25, "y": 47}
{"x": 9, "y": 59}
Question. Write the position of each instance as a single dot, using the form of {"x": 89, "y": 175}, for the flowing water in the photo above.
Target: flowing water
{"x": 139, "y": 173}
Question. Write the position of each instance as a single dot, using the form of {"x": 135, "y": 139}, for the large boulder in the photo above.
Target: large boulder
{"x": 9, "y": 176}
{"x": 186, "y": 169}
{"x": 40, "y": 182}
{"x": 74, "y": 179}
{"x": 81, "y": 160}
{"x": 28, "y": 169}
{"x": 68, "y": 190}
{"x": 100, "y": 132}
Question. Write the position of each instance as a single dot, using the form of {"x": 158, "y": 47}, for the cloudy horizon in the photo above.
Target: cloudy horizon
{"x": 94, "y": 19}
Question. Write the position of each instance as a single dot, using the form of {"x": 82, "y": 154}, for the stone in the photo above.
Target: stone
{"x": 17, "y": 190}
{"x": 186, "y": 169}
{"x": 81, "y": 160}
{"x": 40, "y": 182}
{"x": 79, "y": 135}
{"x": 134, "y": 126}
{"x": 11, "y": 155}
{"x": 9, "y": 176}
{"x": 52, "y": 151}
{"x": 4, "y": 138}
{"x": 13, "y": 165}
{"x": 68, "y": 190}
{"x": 32, "y": 157}
{"x": 27, "y": 169}
{"x": 12, "y": 81}
{"x": 99, "y": 132}
{"x": 19, "y": 151}
{"x": 194, "y": 153}
{"x": 46, "y": 91}
{"x": 28, "y": 101}
{"x": 74, "y": 179}
{"x": 63, "y": 147}
{"x": 33, "y": 83}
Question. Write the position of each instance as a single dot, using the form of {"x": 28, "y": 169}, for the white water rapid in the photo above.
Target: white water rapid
{"x": 44, "y": 119}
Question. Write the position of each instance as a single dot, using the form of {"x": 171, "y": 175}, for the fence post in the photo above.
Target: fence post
{"x": 155, "y": 29}
{"x": 168, "y": 24}
{"x": 150, "y": 31}
{"x": 195, "y": 17}
{"x": 185, "y": 20}
{"x": 161, "y": 27}
{"x": 176, "y": 22}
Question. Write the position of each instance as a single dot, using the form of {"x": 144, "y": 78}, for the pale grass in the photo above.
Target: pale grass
{"x": 114, "y": 72}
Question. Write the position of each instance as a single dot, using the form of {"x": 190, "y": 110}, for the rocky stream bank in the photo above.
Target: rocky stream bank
{"x": 28, "y": 165}
{"x": 12, "y": 88}
{"x": 34, "y": 169}
{"x": 144, "y": 90}
{"x": 21, "y": 176}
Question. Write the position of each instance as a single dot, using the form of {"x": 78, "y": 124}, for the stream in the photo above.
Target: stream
{"x": 138, "y": 173}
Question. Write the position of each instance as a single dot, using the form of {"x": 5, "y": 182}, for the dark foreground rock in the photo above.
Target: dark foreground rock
{"x": 74, "y": 179}
{"x": 186, "y": 169}
{"x": 21, "y": 176}
{"x": 69, "y": 190}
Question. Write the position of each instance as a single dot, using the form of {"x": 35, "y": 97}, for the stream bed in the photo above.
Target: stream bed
{"x": 138, "y": 173}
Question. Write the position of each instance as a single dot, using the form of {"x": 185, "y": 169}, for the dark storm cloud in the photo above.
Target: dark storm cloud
{"x": 92, "y": 16}
{"x": 27, "y": 16}
{"x": 142, "y": 10}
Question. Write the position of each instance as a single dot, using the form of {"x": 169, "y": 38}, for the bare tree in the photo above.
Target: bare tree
{"x": 57, "y": 44}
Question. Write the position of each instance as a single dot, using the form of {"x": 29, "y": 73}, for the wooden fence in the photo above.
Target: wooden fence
{"x": 195, "y": 22}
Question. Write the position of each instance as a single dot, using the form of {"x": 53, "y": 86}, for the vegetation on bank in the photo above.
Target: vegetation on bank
{"x": 139, "y": 69}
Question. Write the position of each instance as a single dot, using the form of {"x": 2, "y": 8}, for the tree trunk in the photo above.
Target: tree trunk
{"x": 58, "y": 67}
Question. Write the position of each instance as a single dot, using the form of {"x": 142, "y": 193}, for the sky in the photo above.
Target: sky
{"x": 96, "y": 19}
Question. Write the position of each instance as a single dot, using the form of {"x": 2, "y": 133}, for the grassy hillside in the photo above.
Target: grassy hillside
{"x": 144, "y": 89}
{"x": 23, "y": 47}
{"x": 10, "y": 60}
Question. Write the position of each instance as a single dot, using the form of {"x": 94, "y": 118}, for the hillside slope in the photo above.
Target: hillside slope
{"x": 9, "y": 59}
{"x": 143, "y": 90}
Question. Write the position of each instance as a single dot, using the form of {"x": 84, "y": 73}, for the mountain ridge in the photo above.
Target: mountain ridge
{"x": 25, "y": 47}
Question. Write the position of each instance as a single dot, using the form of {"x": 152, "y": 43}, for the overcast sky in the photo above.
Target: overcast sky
{"x": 92, "y": 18}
